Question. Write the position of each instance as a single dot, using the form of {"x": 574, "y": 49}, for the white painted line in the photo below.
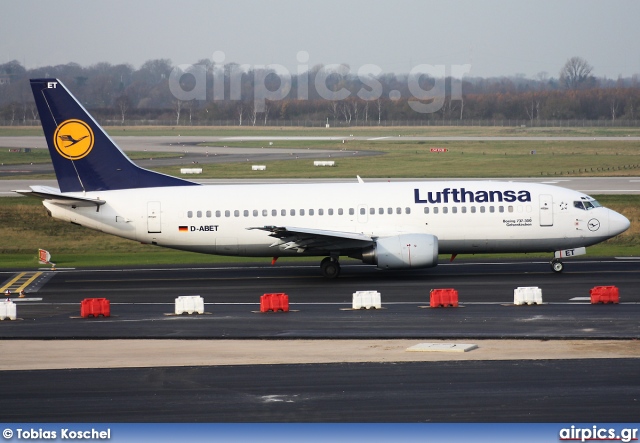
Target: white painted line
{"x": 442, "y": 347}
{"x": 377, "y": 138}
{"x": 580, "y": 299}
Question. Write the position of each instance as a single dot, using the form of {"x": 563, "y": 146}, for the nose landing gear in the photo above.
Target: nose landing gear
{"x": 556, "y": 265}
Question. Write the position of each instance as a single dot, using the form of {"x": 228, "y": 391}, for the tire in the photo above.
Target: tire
{"x": 557, "y": 266}
{"x": 330, "y": 269}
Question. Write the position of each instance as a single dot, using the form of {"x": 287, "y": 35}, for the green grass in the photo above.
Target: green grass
{"x": 463, "y": 159}
{"x": 25, "y": 227}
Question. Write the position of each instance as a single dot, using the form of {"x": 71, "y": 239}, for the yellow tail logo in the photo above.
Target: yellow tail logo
{"x": 73, "y": 139}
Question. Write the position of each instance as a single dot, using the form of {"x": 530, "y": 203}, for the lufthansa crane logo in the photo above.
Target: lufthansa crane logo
{"x": 593, "y": 224}
{"x": 73, "y": 139}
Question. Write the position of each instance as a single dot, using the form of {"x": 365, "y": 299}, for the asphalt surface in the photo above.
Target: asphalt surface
{"x": 585, "y": 390}
{"x": 141, "y": 298}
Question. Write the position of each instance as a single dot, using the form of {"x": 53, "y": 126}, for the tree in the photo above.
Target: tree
{"x": 575, "y": 73}
{"x": 123, "y": 103}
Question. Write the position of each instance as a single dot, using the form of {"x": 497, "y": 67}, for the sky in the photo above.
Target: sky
{"x": 495, "y": 37}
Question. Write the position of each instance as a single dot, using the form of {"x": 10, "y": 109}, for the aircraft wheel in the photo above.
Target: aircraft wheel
{"x": 330, "y": 268}
{"x": 557, "y": 265}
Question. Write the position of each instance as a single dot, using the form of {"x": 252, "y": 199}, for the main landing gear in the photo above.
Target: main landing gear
{"x": 330, "y": 267}
{"x": 557, "y": 265}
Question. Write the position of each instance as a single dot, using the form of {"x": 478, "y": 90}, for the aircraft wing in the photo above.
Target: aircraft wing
{"x": 304, "y": 239}
{"x": 58, "y": 197}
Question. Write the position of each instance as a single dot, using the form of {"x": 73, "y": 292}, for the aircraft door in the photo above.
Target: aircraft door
{"x": 153, "y": 217}
{"x": 546, "y": 210}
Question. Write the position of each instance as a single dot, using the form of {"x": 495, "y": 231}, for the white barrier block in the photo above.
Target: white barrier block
{"x": 258, "y": 168}
{"x": 527, "y": 295}
{"x": 367, "y": 300}
{"x": 8, "y": 310}
{"x": 324, "y": 163}
{"x": 189, "y": 304}
{"x": 191, "y": 171}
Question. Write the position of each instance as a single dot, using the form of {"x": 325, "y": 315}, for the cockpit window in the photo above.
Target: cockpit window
{"x": 586, "y": 204}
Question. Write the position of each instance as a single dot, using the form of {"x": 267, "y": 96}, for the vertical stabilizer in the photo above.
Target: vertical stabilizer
{"x": 84, "y": 156}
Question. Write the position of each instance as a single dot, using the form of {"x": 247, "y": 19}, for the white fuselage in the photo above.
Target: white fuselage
{"x": 465, "y": 216}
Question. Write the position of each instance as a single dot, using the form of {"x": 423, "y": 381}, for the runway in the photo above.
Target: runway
{"x": 141, "y": 298}
{"x": 269, "y": 368}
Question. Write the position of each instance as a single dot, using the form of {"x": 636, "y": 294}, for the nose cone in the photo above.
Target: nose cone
{"x": 618, "y": 223}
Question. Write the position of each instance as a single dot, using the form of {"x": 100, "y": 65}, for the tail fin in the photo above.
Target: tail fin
{"x": 84, "y": 156}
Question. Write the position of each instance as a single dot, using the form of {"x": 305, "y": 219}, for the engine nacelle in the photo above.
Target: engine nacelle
{"x": 403, "y": 251}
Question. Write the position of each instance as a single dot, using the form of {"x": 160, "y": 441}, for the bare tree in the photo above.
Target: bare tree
{"x": 379, "y": 110}
{"x": 253, "y": 115}
{"x": 533, "y": 109}
{"x": 613, "y": 105}
{"x": 177, "y": 107}
{"x": 346, "y": 112}
{"x": 267, "y": 108}
{"x": 575, "y": 73}
{"x": 191, "y": 105}
{"x": 123, "y": 103}
{"x": 333, "y": 107}
{"x": 240, "y": 112}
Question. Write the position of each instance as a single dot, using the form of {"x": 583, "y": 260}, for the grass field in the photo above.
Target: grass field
{"x": 25, "y": 227}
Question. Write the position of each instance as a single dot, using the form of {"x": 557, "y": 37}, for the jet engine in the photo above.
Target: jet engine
{"x": 403, "y": 252}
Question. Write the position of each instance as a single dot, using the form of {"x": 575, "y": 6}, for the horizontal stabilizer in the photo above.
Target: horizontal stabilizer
{"x": 53, "y": 194}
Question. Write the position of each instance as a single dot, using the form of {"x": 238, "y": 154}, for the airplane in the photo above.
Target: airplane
{"x": 392, "y": 225}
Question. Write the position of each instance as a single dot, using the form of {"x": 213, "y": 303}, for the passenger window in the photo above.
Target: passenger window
{"x": 245, "y": 213}
{"x": 454, "y": 209}
{"x": 310, "y": 211}
{"x": 351, "y": 211}
{"x": 218, "y": 214}
{"x": 426, "y": 209}
{"x": 227, "y": 213}
{"x": 464, "y": 209}
{"x": 445, "y": 210}
{"x": 389, "y": 211}
{"x": 330, "y": 211}
{"x": 362, "y": 211}
{"x": 236, "y": 213}
{"x": 501, "y": 208}
{"x": 320, "y": 211}
{"x": 473, "y": 209}
{"x": 199, "y": 214}
{"x": 340, "y": 211}
{"x": 381, "y": 211}
{"x": 265, "y": 212}
{"x": 407, "y": 210}
{"x": 492, "y": 209}
{"x": 398, "y": 210}
{"x": 274, "y": 212}
{"x": 372, "y": 211}
{"x": 283, "y": 212}
{"x": 510, "y": 208}
{"x": 435, "y": 210}
{"x": 292, "y": 212}
{"x": 301, "y": 211}
{"x": 208, "y": 214}
{"x": 482, "y": 209}
{"x": 190, "y": 214}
